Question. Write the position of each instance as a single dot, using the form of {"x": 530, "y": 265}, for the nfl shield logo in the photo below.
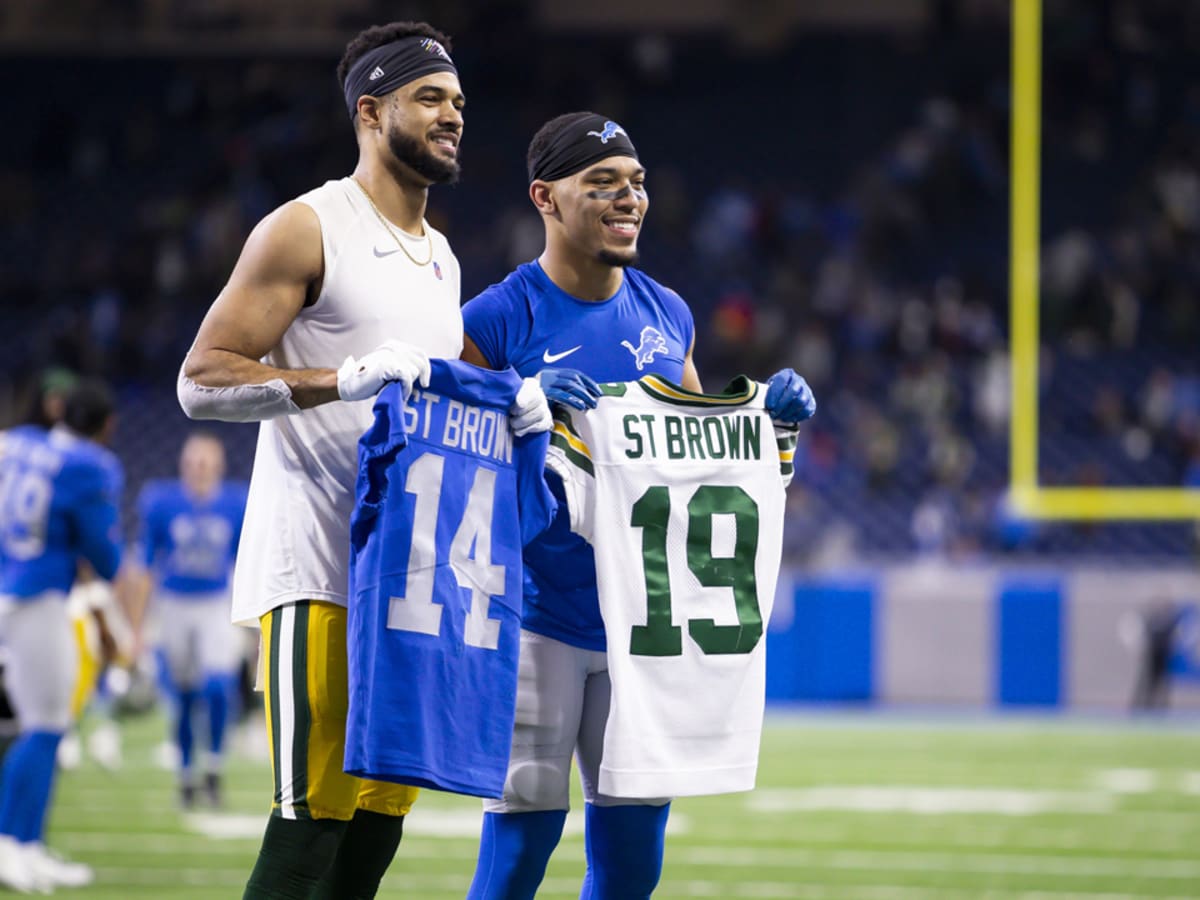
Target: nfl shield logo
{"x": 437, "y": 270}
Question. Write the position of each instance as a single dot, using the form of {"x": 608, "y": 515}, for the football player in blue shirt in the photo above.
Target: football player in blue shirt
{"x": 59, "y": 491}
{"x": 581, "y": 304}
{"x": 189, "y": 535}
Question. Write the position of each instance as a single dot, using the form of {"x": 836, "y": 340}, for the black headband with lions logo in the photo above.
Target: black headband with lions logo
{"x": 588, "y": 139}
{"x": 382, "y": 70}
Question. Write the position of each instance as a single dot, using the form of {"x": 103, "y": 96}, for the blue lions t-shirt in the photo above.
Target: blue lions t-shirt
{"x": 58, "y": 504}
{"x": 190, "y": 541}
{"x": 527, "y": 322}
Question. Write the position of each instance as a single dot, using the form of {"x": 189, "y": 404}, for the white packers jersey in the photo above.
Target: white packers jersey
{"x": 295, "y": 542}
{"x": 682, "y": 498}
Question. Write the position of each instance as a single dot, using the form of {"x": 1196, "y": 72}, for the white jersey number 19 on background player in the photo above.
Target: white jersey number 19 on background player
{"x": 24, "y": 510}
{"x": 722, "y": 519}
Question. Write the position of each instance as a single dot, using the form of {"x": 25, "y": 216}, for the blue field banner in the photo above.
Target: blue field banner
{"x": 1029, "y": 641}
{"x": 823, "y": 649}
{"x": 782, "y": 663}
{"x": 1184, "y": 662}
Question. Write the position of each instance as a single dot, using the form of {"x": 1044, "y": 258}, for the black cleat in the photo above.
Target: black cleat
{"x": 187, "y": 796}
{"x": 212, "y": 789}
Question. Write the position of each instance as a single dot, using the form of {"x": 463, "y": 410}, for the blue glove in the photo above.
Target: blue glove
{"x": 570, "y": 387}
{"x": 789, "y": 398}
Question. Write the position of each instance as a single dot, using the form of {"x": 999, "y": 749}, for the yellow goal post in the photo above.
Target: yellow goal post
{"x": 1026, "y": 496}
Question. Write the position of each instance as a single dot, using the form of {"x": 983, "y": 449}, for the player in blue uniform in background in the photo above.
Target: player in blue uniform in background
{"x": 582, "y": 304}
{"x": 59, "y": 490}
{"x": 188, "y": 538}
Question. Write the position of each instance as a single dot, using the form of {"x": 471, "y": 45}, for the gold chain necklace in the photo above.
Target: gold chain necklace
{"x": 395, "y": 237}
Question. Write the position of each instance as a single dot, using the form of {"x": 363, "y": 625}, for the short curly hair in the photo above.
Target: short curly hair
{"x": 378, "y": 35}
{"x": 88, "y": 406}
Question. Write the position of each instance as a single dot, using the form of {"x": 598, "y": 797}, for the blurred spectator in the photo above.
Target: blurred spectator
{"x": 1154, "y": 633}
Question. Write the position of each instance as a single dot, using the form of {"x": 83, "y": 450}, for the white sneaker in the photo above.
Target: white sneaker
{"x": 166, "y": 756}
{"x": 104, "y": 744}
{"x": 70, "y": 751}
{"x": 53, "y": 869}
{"x": 15, "y": 870}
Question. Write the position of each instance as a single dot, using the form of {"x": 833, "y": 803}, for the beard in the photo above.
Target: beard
{"x": 618, "y": 258}
{"x": 417, "y": 156}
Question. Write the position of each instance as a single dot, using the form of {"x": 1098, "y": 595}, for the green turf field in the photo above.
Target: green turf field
{"x": 847, "y": 806}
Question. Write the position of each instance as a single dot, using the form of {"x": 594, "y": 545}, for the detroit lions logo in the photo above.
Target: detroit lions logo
{"x": 611, "y": 130}
{"x": 651, "y": 342}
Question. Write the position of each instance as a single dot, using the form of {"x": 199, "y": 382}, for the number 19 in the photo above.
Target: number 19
{"x": 651, "y": 513}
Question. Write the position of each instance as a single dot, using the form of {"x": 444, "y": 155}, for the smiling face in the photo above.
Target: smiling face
{"x": 423, "y": 123}
{"x": 601, "y": 210}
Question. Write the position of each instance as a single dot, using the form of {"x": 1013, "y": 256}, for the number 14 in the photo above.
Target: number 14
{"x": 416, "y": 610}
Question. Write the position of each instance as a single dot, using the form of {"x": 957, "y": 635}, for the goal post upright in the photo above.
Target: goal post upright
{"x": 1027, "y": 496}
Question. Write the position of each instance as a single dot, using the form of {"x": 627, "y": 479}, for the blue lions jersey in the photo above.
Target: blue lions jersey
{"x": 59, "y": 498}
{"x": 530, "y": 324}
{"x": 190, "y": 542}
{"x": 445, "y": 499}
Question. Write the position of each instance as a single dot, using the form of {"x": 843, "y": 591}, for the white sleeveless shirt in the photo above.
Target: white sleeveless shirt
{"x": 295, "y": 542}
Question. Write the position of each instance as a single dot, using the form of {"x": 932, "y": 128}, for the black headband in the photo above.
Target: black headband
{"x": 382, "y": 70}
{"x": 589, "y": 139}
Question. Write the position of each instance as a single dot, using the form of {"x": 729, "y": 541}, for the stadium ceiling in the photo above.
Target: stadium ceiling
{"x": 742, "y": 15}
{"x": 182, "y": 28}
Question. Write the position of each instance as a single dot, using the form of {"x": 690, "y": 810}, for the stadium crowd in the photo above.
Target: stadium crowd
{"x": 857, "y": 235}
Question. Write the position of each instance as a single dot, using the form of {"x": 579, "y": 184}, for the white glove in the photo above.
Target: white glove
{"x": 530, "y": 413}
{"x": 390, "y": 361}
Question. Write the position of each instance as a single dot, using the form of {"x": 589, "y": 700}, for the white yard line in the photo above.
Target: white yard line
{"x": 411, "y": 883}
{"x": 821, "y": 891}
{"x": 1128, "y": 781}
{"x": 929, "y": 800}
{"x": 977, "y": 863}
{"x": 1101, "y": 835}
{"x": 735, "y": 856}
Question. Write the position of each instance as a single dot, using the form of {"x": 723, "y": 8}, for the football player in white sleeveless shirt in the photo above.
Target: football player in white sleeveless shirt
{"x": 336, "y": 293}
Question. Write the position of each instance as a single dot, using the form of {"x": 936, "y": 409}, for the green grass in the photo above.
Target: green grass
{"x": 847, "y": 806}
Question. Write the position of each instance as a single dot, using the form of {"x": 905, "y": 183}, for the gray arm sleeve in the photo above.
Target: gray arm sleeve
{"x": 243, "y": 403}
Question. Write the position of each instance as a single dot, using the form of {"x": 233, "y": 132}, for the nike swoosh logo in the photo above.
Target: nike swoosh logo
{"x": 548, "y": 357}
{"x": 380, "y": 254}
